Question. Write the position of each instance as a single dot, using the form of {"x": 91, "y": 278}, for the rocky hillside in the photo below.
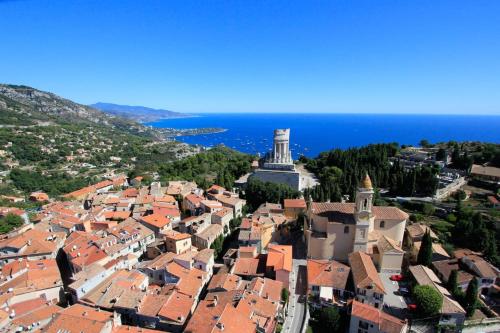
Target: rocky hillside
{"x": 22, "y": 105}
{"x": 53, "y": 144}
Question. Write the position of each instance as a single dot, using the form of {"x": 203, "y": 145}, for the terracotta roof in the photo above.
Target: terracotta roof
{"x": 386, "y": 244}
{"x": 445, "y": 267}
{"x": 364, "y": 272}
{"x": 204, "y": 255}
{"x": 343, "y": 212}
{"x": 233, "y": 321}
{"x": 266, "y": 288}
{"x": 175, "y": 235}
{"x": 133, "y": 329}
{"x": 156, "y": 220}
{"x": 224, "y": 281}
{"x": 294, "y": 203}
{"x": 209, "y": 311}
{"x": 327, "y": 273}
{"x": 279, "y": 257}
{"x": 245, "y": 266}
{"x": 177, "y": 308}
{"x": 385, "y": 322}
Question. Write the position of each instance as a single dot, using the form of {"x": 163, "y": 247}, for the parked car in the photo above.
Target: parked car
{"x": 397, "y": 277}
{"x": 412, "y": 307}
{"x": 404, "y": 290}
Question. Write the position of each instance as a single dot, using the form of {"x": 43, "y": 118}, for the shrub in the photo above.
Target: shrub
{"x": 428, "y": 300}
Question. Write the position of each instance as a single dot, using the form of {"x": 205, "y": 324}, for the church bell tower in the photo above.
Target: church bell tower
{"x": 363, "y": 214}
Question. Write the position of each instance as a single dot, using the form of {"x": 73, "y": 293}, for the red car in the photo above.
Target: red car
{"x": 412, "y": 307}
{"x": 397, "y": 277}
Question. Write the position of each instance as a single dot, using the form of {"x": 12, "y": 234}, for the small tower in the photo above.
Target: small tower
{"x": 363, "y": 214}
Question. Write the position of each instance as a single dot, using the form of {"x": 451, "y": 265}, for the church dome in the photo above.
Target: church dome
{"x": 367, "y": 182}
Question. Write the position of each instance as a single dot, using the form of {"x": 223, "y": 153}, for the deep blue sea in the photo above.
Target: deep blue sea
{"x": 314, "y": 133}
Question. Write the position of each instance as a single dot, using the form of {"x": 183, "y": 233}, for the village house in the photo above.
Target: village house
{"x": 366, "y": 318}
{"x": 294, "y": 207}
{"x": 327, "y": 281}
{"x": 24, "y": 280}
{"x": 32, "y": 245}
{"x": 205, "y": 238}
{"x": 223, "y": 218}
{"x": 368, "y": 287}
{"x": 39, "y": 197}
{"x": 452, "y": 313}
{"x": 177, "y": 242}
{"x": 279, "y": 263}
{"x": 192, "y": 204}
{"x": 156, "y": 222}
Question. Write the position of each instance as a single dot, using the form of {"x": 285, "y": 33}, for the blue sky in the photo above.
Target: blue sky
{"x": 259, "y": 56}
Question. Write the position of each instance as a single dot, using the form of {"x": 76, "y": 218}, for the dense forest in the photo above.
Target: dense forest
{"x": 220, "y": 165}
{"x": 55, "y": 184}
{"x": 340, "y": 171}
{"x": 258, "y": 192}
{"x": 472, "y": 231}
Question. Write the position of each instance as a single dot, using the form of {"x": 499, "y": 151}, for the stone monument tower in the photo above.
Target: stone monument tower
{"x": 281, "y": 149}
{"x": 277, "y": 166}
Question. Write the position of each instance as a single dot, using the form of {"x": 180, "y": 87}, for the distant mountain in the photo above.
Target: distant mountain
{"x": 23, "y": 105}
{"x": 138, "y": 113}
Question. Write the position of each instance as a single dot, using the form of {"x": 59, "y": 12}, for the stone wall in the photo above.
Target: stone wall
{"x": 290, "y": 178}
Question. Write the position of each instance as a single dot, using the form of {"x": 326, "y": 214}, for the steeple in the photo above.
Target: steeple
{"x": 363, "y": 214}
{"x": 367, "y": 182}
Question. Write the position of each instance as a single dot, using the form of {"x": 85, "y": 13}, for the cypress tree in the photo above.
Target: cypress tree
{"x": 425, "y": 253}
{"x": 452, "y": 282}
{"x": 470, "y": 300}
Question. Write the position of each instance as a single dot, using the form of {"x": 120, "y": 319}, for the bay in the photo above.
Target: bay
{"x": 314, "y": 133}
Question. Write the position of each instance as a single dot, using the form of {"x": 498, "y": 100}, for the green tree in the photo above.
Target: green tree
{"x": 284, "y": 295}
{"x": 428, "y": 300}
{"x": 425, "y": 253}
{"x": 329, "y": 319}
{"x": 470, "y": 300}
{"x": 424, "y": 143}
{"x": 10, "y": 222}
{"x": 452, "y": 284}
{"x": 428, "y": 209}
{"x": 441, "y": 155}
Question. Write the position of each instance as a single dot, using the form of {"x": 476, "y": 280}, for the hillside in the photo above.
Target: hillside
{"x": 51, "y": 143}
{"x": 137, "y": 113}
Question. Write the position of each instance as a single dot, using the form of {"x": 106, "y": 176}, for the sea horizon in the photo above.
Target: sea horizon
{"x": 313, "y": 133}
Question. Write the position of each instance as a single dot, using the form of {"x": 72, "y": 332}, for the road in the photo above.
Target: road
{"x": 298, "y": 288}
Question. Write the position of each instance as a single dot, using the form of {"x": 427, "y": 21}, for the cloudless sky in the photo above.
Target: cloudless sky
{"x": 259, "y": 56}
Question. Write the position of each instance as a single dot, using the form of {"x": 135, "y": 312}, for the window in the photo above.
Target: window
{"x": 363, "y": 325}
{"x": 382, "y": 224}
{"x": 346, "y": 229}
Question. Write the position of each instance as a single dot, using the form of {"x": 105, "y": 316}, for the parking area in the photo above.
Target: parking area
{"x": 397, "y": 295}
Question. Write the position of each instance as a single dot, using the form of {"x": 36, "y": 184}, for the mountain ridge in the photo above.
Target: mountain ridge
{"x": 137, "y": 112}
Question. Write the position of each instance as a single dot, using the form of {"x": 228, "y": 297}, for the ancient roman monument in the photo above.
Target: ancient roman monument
{"x": 277, "y": 165}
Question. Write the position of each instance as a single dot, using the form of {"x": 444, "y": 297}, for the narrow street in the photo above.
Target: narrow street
{"x": 298, "y": 289}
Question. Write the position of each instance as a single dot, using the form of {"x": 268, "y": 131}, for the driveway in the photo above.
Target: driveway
{"x": 394, "y": 302}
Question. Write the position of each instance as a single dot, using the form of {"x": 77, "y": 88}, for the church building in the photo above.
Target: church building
{"x": 334, "y": 230}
